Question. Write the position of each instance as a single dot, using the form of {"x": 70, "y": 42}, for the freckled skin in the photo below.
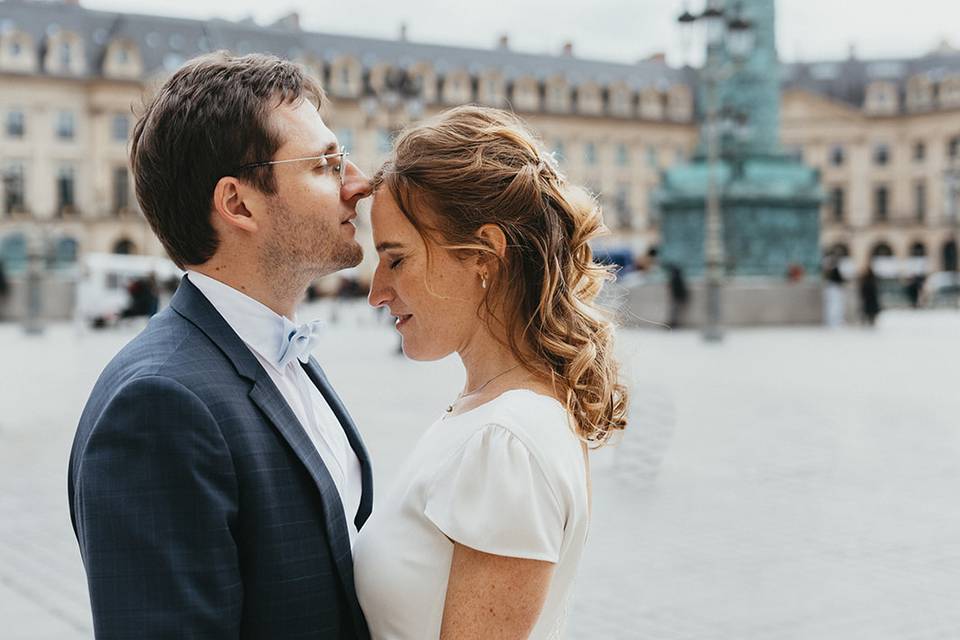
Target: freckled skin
{"x": 491, "y": 596}
{"x": 488, "y": 596}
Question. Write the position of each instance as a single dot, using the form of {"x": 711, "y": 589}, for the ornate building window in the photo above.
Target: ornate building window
{"x": 66, "y": 190}
{"x": 881, "y": 203}
{"x": 680, "y": 103}
{"x": 120, "y": 127}
{"x": 882, "y": 98}
{"x": 526, "y": 94}
{"x": 66, "y": 125}
{"x": 590, "y": 153}
{"x": 124, "y": 247}
{"x": 558, "y": 95}
{"x": 621, "y": 205}
{"x": 16, "y": 50}
{"x": 920, "y": 200}
{"x": 121, "y": 189}
{"x": 15, "y": 124}
{"x": 621, "y": 101}
{"x": 13, "y": 252}
{"x": 122, "y": 60}
{"x": 881, "y": 154}
{"x": 651, "y": 104}
{"x": 919, "y": 151}
{"x": 837, "y": 201}
{"x": 65, "y": 53}
{"x": 65, "y": 252}
{"x": 14, "y": 188}
{"x": 919, "y": 93}
{"x": 881, "y": 250}
{"x": 837, "y": 155}
{"x": 589, "y": 99}
{"x": 623, "y": 155}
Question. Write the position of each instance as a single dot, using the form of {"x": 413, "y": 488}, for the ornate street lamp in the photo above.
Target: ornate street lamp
{"x": 400, "y": 93}
{"x": 730, "y": 41}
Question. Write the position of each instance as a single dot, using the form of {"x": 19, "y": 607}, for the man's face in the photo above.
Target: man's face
{"x": 310, "y": 217}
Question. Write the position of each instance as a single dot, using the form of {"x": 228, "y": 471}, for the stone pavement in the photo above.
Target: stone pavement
{"x": 788, "y": 484}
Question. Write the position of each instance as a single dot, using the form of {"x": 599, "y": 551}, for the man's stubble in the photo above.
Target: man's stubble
{"x": 305, "y": 247}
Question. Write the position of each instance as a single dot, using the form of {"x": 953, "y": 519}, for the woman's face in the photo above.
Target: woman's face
{"x": 434, "y": 300}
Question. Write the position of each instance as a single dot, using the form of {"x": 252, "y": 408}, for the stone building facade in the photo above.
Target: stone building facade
{"x": 71, "y": 80}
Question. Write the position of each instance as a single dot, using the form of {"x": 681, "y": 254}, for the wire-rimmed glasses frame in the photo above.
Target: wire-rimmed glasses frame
{"x": 340, "y": 169}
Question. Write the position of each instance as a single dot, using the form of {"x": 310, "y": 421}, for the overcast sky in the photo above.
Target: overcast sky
{"x": 620, "y": 30}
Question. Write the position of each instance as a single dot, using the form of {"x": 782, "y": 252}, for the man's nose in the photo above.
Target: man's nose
{"x": 356, "y": 184}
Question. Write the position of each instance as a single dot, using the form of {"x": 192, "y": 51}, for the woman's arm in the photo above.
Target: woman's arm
{"x": 490, "y": 596}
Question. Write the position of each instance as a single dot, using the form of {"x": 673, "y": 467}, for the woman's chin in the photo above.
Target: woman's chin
{"x": 422, "y": 353}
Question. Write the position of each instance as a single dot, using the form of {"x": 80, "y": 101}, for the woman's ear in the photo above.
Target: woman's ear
{"x": 494, "y": 237}
{"x": 232, "y": 204}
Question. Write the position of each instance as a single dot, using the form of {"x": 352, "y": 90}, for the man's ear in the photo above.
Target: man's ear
{"x": 234, "y": 204}
{"x": 493, "y": 236}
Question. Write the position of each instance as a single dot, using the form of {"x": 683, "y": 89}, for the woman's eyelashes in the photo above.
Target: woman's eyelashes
{"x": 395, "y": 262}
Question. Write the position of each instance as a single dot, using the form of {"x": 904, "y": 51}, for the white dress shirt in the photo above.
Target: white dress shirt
{"x": 262, "y": 330}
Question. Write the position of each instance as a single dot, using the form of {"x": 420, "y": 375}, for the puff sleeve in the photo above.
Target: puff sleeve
{"x": 494, "y": 496}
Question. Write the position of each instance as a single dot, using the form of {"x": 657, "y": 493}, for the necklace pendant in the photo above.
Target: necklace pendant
{"x": 450, "y": 408}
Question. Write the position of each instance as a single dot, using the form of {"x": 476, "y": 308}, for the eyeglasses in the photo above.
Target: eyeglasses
{"x": 340, "y": 168}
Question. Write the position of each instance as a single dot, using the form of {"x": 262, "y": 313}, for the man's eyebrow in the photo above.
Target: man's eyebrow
{"x": 386, "y": 246}
{"x": 331, "y": 148}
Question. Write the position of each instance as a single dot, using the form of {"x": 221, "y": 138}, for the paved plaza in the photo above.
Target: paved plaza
{"x": 787, "y": 484}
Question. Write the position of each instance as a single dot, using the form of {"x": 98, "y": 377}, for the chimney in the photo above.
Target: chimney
{"x": 289, "y": 22}
{"x": 568, "y": 49}
{"x": 403, "y": 32}
{"x": 659, "y": 57}
{"x": 852, "y": 51}
{"x": 503, "y": 42}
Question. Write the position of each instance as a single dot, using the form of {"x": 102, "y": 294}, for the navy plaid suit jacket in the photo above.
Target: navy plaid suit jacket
{"x": 201, "y": 507}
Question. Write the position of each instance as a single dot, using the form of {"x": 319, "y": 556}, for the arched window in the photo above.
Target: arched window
{"x": 13, "y": 252}
{"x": 124, "y": 246}
{"x": 918, "y": 250}
{"x": 65, "y": 252}
{"x": 881, "y": 250}
{"x": 838, "y": 250}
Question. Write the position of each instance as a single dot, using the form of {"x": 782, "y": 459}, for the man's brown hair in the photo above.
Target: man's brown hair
{"x": 208, "y": 120}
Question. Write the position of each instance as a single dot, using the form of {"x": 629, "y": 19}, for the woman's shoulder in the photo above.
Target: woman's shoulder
{"x": 538, "y": 422}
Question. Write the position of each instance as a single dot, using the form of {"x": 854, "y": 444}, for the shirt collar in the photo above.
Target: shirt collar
{"x": 259, "y": 326}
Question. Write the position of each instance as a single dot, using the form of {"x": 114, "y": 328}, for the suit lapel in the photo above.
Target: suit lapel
{"x": 319, "y": 378}
{"x": 266, "y": 396}
{"x": 190, "y": 303}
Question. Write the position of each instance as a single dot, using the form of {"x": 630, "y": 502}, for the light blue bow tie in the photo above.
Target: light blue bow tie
{"x": 298, "y": 341}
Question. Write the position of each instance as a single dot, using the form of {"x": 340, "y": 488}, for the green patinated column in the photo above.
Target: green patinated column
{"x": 769, "y": 200}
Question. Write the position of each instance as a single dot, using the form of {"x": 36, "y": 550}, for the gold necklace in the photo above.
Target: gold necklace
{"x": 479, "y": 389}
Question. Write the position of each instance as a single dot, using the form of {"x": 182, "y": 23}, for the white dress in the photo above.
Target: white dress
{"x": 506, "y": 478}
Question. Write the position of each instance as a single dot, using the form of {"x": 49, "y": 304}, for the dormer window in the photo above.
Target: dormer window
{"x": 15, "y": 49}
{"x": 65, "y": 55}
{"x": 122, "y": 56}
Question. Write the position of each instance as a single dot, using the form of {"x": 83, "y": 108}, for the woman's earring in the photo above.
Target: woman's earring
{"x": 483, "y": 280}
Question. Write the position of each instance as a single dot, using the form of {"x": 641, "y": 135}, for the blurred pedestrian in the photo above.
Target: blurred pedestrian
{"x": 913, "y": 289}
{"x": 795, "y": 272}
{"x": 679, "y": 296}
{"x": 869, "y": 297}
{"x": 4, "y": 290}
{"x": 834, "y": 297}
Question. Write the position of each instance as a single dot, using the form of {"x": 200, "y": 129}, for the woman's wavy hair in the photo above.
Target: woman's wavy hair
{"x": 472, "y": 166}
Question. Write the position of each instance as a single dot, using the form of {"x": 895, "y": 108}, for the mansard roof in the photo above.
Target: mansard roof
{"x": 166, "y": 42}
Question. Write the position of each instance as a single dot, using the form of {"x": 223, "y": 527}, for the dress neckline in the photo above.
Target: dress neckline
{"x": 446, "y": 417}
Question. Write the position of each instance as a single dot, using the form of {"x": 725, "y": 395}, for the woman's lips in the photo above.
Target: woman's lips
{"x": 402, "y": 319}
